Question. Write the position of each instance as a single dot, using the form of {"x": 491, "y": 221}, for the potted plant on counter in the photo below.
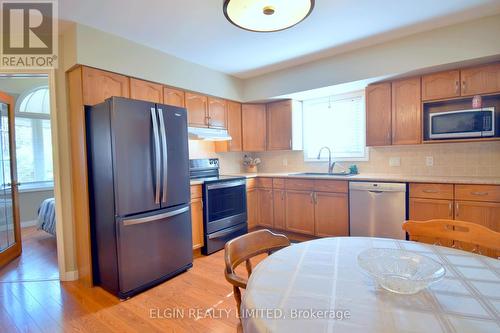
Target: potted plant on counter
{"x": 251, "y": 163}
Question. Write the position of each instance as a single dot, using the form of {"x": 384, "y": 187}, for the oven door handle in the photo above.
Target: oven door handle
{"x": 225, "y": 232}
{"x": 226, "y": 184}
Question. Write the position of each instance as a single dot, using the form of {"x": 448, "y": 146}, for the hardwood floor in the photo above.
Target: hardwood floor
{"x": 38, "y": 260}
{"x": 202, "y": 296}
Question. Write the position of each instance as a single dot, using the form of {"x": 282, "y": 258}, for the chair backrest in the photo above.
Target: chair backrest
{"x": 464, "y": 235}
{"x": 243, "y": 248}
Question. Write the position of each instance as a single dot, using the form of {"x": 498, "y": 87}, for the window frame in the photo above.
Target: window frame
{"x": 38, "y": 184}
{"x": 324, "y": 156}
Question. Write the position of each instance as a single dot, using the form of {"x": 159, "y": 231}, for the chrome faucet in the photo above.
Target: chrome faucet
{"x": 331, "y": 164}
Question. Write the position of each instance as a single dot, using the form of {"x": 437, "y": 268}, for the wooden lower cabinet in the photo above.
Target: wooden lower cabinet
{"x": 266, "y": 216}
{"x": 252, "y": 207}
{"x": 300, "y": 212}
{"x": 197, "y": 216}
{"x": 331, "y": 214}
{"x": 428, "y": 209}
{"x": 483, "y": 213}
{"x": 279, "y": 209}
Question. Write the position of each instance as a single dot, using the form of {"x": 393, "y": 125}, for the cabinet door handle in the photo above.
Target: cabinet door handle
{"x": 312, "y": 197}
{"x": 481, "y": 194}
{"x": 457, "y": 87}
{"x": 450, "y": 209}
{"x": 282, "y": 195}
{"x": 315, "y": 197}
{"x": 430, "y": 191}
{"x": 464, "y": 86}
{"x": 456, "y": 209}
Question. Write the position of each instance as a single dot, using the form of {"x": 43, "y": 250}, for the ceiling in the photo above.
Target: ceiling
{"x": 197, "y": 31}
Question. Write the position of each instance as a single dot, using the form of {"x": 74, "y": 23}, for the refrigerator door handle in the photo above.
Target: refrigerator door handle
{"x": 157, "y": 155}
{"x": 163, "y": 133}
{"x": 155, "y": 217}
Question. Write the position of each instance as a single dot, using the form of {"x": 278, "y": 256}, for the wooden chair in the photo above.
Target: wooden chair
{"x": 468, "y": 236}
{"x": 242, "y": 248}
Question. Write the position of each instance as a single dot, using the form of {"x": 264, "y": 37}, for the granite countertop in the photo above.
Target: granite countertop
{"x": 383, "y": 177}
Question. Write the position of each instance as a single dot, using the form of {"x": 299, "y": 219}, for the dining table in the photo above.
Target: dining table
{"x": 318, "y": 286}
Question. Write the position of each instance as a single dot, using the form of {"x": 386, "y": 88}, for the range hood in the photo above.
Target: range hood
{"x": 208, "y": 134}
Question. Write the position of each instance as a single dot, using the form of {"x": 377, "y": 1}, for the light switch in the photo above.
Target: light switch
{"x": 429, "y": 161}
{"x": 395, "y": 161}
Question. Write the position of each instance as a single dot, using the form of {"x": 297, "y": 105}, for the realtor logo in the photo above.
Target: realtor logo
{"x": 29, "y": 34}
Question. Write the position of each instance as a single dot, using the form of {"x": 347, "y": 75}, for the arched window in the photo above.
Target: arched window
{"x": 33, "y": 136}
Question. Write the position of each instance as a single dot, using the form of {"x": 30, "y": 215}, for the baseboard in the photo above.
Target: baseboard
{"x": 26, "y": 224}
{"x": 69, "y": 276}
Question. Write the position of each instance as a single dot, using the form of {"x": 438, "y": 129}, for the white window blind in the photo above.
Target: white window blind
{"x": 337, "y": 122}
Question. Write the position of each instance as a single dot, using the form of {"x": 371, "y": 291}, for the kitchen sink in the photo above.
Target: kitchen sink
{"x": 321, "y": 174}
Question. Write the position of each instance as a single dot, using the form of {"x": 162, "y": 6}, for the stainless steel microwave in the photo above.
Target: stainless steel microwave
{"x": 462, "y": 123}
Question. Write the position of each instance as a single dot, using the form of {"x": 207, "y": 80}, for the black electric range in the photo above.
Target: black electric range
{"x": 224, "y": 204}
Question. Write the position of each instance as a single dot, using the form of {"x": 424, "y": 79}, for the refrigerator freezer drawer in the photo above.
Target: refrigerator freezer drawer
{"x": 153, "y": 248}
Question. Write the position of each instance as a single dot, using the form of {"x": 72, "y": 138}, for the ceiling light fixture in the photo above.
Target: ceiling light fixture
{"x": 267, "y": 15}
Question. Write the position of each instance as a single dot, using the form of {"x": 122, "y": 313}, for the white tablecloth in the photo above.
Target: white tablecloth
{"x": 322, "y": 278}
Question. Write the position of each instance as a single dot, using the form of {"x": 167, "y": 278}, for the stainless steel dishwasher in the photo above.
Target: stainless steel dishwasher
{"x": 377, "y": 209}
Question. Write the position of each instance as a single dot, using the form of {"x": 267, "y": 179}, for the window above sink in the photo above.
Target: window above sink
{"x": 337, "y": 122}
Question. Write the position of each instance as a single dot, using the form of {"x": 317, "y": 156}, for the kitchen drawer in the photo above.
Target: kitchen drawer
{"x": 489, "y": 193}
{"x": 431, "y": 191}
{"x": 264, "y": 182}
{"x": 251, "y": 183}
{"x": 338, "y": 186}
{"x": 279, "y": 183}
{"x": 196, "y": 191}
{"x": 299, "y": 184}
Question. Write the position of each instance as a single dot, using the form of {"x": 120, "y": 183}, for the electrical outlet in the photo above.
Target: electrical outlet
{"x": 429, "y": 161}
{"x": 285, "y": 162}
{"x": 395, "y": 161}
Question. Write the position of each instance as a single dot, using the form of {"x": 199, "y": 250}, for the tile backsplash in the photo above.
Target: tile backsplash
{"x": 229, "y": 162}
{"x": 449, "y": 159}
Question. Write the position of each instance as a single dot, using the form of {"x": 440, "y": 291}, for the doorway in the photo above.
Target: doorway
{"x": 28, "y": 243}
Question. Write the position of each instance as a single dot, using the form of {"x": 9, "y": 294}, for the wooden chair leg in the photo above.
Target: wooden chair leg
{"x": 237, "y": 297}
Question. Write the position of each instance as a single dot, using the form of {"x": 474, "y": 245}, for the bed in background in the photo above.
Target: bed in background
{"x": 47, "y": 216}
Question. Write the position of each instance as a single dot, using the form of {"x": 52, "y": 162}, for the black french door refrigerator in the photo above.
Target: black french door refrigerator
{"x": 139, "y": 194}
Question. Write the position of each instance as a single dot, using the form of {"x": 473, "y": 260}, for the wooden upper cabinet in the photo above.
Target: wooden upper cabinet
{"x": 279, "y": 125}
{"x": 173, "y": 97}
{"x": 217, "y": 112}
{"x": 197, "y": 108}
{"x": 99, "y": 85}
{"x": 300, "y": 212}
{"x": 441, "y": 85}
{"x": 378, "y": 114}
{"x": 406, "y": 112}
{"x": 253, "y": 119}
{"x": 146, "y": 91}
{"x": 480, "y": 80}
{"x": 234, "y": 126}
{"x": 331, "y": 214}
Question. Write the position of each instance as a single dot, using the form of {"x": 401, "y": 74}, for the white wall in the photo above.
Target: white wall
{"x": 456, "y": 43}
{"x": 102, "y": 50}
